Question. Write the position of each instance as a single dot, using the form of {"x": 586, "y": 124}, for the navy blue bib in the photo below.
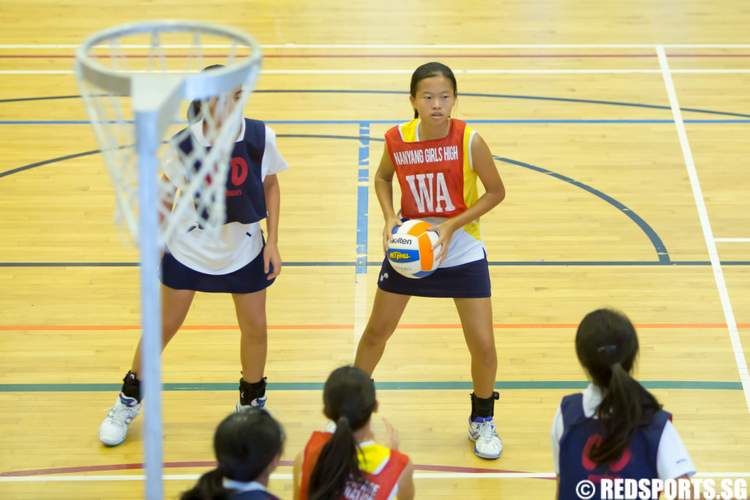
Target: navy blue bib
{"x": 245, "y": 197}
{"x": 580, "y": 434}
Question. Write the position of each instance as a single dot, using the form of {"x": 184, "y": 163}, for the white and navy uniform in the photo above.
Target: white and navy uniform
{"x": 438, "y": 181}
{"x": 655, "y": 451}
{"x": 247, "y": 491}
{"x": 232, "y": 262}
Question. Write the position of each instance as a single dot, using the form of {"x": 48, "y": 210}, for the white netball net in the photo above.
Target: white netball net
{"x": 169, "y": 168}
{"x": 167, "y": 61}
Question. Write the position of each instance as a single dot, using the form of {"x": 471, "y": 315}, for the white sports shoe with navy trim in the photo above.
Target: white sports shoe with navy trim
{"x": 255, "y": 403}
{"x": 114, "y": 428}
{"x": 487, "y": 444}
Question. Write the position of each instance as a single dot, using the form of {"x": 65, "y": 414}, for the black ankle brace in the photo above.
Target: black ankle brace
{"x": 131, "y": 386}
{"x": 483, "y": 407}
{"x": 250, "y": 391}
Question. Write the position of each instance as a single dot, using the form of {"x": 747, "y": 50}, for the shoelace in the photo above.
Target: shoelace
{"x": 487, "y": 430}
{"x": 121, "y": 413}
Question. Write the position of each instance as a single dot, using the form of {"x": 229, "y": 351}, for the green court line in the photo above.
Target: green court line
{"x": 386, "y": 386}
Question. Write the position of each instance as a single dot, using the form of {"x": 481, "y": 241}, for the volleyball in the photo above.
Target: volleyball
{"x": 410, "y": 249}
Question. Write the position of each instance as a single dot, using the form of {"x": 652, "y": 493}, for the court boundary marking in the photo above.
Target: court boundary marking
{"x": 362, "y": 203}
{"x": 372, "y": 263}
{"x": 445, "y": 55}
{"x": 714, "y": 261}
{"x": 457, "y": 71}
{"x": 437, "y": 385}
{"x": 280, "y": 476}
{"x": 288, "y": 476}
{"x": 462, "y": 94}
{"x": 347, "y": 326}
{"x": 659, "y": 247}
{"x": 360, "y": 312}
{"x": 700, "y": 205}
{"x": 400, "y": 46}
{"x": 210, "y": 463}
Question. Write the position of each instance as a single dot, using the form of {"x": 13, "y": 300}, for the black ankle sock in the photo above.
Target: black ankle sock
{"x": 483, "y": 407}
{"x": 250, "y": 391}
{"x": 131, "y": 386}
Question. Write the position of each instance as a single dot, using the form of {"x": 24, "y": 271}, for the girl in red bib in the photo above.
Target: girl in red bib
{"x": 438, "y": 160}
{"x": 348, "y": 463}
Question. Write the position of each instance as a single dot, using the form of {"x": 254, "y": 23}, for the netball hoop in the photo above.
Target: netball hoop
{"x": 137, "y": 82}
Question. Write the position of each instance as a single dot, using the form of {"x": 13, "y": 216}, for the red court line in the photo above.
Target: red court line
{"x": 348, "y": 326}
{"x": 209, "y": 463}
{"x": 400, "y": 56}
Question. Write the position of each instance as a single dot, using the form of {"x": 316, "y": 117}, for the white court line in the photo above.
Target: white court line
{"x": 395, "y": 46}
{"x": 465, "y": 72}
{"x": 713, "y": 253}
{"x": 732, "y": 240}
{"x": 288, "y": 476}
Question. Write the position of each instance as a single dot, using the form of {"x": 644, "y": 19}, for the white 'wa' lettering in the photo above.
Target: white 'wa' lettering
{"x": 430, "y": 192}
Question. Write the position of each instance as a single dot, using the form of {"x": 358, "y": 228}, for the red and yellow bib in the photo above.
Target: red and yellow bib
{"x": 436, "y": 176}
{"x": 381, "y": 467}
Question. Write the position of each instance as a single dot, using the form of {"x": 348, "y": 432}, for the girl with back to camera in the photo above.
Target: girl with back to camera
{"x": 248, "y": 447}
{"x": 615, "y": 428}
{"x": 348, "y": 463}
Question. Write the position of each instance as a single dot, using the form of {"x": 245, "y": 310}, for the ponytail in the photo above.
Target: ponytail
{"x": 626, "y": 406}
{"x": 607, "y": 346}
{"x": 338, "y": 463}
{"x": 209, "y": 487}
{"x": 245, "y": 444}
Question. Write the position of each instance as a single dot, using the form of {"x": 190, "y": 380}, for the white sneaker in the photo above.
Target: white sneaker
{"x": 255, "y": 403}
{"x": 487, "y": 444}
{"x": 114, "y": 428}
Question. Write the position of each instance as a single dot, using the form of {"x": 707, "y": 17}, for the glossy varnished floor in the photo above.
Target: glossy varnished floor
{"x": 600, "y": 211}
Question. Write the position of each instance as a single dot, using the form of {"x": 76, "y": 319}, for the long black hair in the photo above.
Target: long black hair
{"x": 349, "y": 400}
{"x": 429, "y": 70}
{"x": 607, "y": 347}
{"x": 194, "y": 110}
{"x": 245, "y": 444}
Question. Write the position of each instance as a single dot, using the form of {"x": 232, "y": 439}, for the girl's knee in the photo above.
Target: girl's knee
{"x": 255, "y": 330}
{"x": 484, "y": 350}
{"x": 376, "y": 334}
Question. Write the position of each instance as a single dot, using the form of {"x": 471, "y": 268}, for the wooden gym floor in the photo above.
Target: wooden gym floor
{"x": 603, "y": 209}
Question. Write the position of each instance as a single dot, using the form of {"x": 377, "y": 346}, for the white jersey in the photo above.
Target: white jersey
{"x": 672, "y": 459}
{"x": 237, "y": 244}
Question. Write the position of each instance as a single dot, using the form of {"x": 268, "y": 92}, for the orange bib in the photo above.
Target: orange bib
{"x": 431, "y": 173}
{"x": 375, "y": 487}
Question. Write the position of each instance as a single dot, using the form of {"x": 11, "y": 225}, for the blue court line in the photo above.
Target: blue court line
{"x": 47, "y": 162}
{"x": 508, "y": 96}
{"x": 661, "y": 250}
{"x": 463, "y": 94}
{"x": 494, "y": 263}
{"x": 363, "y": 189}
{"x": 387, "y": 386}
{"x": 546, "y": 121}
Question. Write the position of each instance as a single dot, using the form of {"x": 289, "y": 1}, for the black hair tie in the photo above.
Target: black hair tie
{"x": 608, "y": 349}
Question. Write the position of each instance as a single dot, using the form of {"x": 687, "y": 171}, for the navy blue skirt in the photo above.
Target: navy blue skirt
{"x": 467, "y": 281}
{"x": 248, "y": 279}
